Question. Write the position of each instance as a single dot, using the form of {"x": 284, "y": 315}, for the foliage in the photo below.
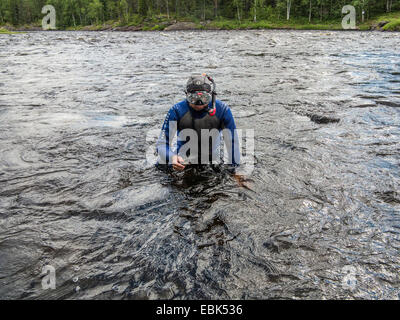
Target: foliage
{"x": 222, "y": 13}
{"x": 393, "y": 25}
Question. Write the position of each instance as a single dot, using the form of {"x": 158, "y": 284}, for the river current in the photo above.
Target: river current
{"x": 318, "y": 218}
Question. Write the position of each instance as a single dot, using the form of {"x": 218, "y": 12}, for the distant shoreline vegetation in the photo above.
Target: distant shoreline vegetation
{"x": 146, "y": 15}
{"x": 5, "y": 31}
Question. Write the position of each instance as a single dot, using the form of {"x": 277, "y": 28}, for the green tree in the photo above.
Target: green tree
{"x": 124, "y": 10}
{"x": 143, "y": 7}
{"x": 95, "y": 10}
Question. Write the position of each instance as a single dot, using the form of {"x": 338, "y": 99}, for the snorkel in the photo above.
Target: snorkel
{"x": 211, "y": 111}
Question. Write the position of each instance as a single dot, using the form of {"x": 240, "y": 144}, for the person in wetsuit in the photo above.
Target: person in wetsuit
{"x": 199, "y": 121}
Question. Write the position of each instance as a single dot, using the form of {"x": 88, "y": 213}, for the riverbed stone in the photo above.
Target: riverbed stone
{"x": 382, "y": 23}
{"x": 379, "y": 26}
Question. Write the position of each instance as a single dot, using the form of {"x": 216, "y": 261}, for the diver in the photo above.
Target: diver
{"x": 199, "y": 122}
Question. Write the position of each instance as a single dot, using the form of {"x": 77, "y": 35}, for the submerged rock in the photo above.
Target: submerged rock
{"x": 322, "y": 119}
{"x": 389, "y": 103}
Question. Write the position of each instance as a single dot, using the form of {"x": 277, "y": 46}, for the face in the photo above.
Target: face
{"x": 197, "y": 107}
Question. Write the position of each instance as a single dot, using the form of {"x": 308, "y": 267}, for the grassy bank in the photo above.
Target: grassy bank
{"x": 6, "y": 31}
{"x": 265, "y": 24}
{"x": 159, "y": 23}
{"x": 393, "y": 19}
{"x": 392, "y": 26}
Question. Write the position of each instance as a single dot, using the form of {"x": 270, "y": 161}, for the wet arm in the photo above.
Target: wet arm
{"x": 164, "y": 148}
{"x": 231, "y": 140}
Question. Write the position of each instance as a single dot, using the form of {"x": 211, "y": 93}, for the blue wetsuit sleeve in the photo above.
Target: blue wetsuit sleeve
{"x": 169, "y": 128}
{"x": 231, "y": 140}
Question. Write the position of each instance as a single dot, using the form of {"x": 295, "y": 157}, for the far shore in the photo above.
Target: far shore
{"x": 382, "y": 23}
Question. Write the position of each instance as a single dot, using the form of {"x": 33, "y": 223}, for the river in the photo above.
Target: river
{"x": 319, "y": 219}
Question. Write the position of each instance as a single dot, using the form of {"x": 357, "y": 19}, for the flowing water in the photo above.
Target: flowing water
{"x": 320, "y": 218}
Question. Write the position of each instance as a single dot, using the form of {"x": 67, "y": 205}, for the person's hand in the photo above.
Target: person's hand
{"x": 242, "y": 181}
{"x": 177, "y": 163}
{"x": 239, "y": 179}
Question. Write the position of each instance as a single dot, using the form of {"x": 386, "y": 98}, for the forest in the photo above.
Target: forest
{"x": 72, "y": 13}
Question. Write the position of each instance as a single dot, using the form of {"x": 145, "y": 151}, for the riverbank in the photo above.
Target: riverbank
{"x": 6, "y": 31}
{"x": 386, "y": 22}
